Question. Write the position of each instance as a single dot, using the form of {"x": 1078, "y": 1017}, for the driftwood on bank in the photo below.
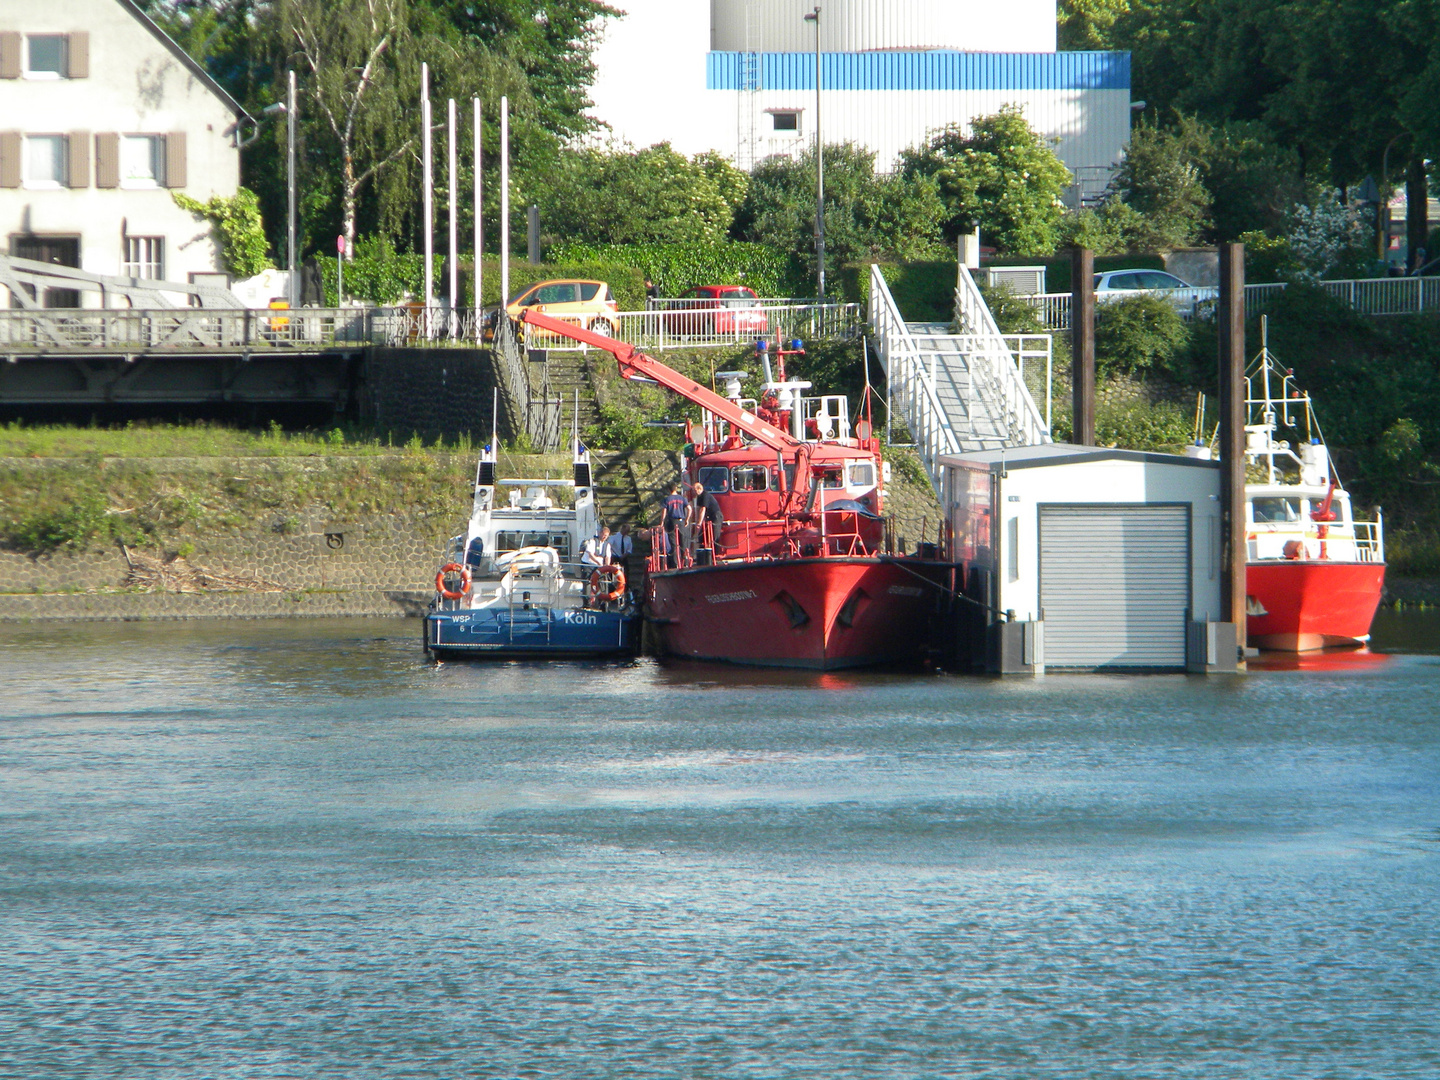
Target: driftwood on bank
{"x": 179, "y": 576}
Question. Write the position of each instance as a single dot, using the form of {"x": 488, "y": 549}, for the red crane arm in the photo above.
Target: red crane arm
{"x": 635, "y": 364}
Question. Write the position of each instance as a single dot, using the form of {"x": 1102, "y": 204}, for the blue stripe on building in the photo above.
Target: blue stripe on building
{"x": 931, "y": 70}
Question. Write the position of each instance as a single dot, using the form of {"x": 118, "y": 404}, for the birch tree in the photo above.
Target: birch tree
{"x": 359, "y": 78}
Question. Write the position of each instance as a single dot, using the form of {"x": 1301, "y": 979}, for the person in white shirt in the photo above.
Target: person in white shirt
{"x": 621, "y": 544}
{"x": 596, "y": 551}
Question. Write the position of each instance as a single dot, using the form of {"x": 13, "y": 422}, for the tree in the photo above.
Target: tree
{"x": 999, "y": 174}
{"x": 1088, "y": 24}
{"x": 1160, "y": 180}
{"x": 866, "y": 216}
{"x": 622, "y": 196}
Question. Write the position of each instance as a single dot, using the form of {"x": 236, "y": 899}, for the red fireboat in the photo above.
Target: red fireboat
{"x": 803, "y": 572}
{"x": 1314, "y": 574}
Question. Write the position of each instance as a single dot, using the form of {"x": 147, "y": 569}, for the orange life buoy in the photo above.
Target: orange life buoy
{"x": 450, "y": 594}
{"x": 615, "y": 593}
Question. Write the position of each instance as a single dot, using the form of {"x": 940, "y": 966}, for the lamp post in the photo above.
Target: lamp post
{"x": 814, "y": 17}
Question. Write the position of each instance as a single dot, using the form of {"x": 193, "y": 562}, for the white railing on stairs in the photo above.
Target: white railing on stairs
{"x": 994, "y": 373}
{"x": 911, "y": 387}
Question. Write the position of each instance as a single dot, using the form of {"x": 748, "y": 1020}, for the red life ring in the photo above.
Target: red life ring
{"x": 450, "y": 594}
{"x": 615, "y": 593}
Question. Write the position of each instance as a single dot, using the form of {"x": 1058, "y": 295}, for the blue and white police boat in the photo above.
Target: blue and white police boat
{"x": 512, "y": 585}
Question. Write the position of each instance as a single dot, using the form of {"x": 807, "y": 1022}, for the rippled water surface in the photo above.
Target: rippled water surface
{"x": 299, "y": 850}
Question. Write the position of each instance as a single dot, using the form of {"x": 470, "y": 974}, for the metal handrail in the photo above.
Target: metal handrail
{"x": 911, "y": 387}
{"x": 999, "y": 374}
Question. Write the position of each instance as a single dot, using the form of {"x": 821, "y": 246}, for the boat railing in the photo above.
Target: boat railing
{"x": 765, "y": 539}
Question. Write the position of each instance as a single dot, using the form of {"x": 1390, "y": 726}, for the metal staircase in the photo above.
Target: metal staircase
{"x": 955, "y": 392}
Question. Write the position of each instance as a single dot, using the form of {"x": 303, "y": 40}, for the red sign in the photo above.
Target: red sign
{"x": 340, "y": 244}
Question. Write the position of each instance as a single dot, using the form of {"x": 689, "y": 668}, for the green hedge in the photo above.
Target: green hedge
{"x": 924, "y": 291}
{"x": 677, "y": 267}
{"x": 387, "y": 277}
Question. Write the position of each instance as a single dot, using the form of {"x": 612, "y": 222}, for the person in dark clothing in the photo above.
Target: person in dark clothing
{"x": 675, "y": 510}
{"x": 707, "y": 512}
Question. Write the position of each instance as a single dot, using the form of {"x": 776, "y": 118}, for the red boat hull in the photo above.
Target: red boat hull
{"x": 822, "y": 613}
{"x": 1295, "y": 605}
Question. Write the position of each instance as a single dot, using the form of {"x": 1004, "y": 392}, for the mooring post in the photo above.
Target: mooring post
{"x": 1232, "y": 437}
{"x": 1082, "y": 345}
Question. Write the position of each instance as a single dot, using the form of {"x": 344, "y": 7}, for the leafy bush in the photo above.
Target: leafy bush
{"x": 924, "y": 291}
{"x": 238, "y": 229}
{"x": 1159, "y": 426}
{"x": 1012, "y": 314}
{"x": 381, "y": 275}
{"x": 677, "y": 267}
{"x": 1137, "y": 333}
{"x": 72, "y": 525}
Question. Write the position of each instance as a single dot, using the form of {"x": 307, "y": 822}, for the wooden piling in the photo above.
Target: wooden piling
{"x": 1082, "y": 347}
{"x": 1231, "y": 332}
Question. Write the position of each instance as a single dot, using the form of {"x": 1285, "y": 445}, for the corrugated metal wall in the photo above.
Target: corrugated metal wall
{"x": 861, "y": 25}
{"x": 1091, "y": 127}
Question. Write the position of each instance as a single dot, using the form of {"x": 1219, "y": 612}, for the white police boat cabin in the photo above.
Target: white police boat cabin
{"x": 513, "y": 583}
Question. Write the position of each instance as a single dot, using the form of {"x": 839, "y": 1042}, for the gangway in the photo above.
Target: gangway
{"x": 956, "y": 392}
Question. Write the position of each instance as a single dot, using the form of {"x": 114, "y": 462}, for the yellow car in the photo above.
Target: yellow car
{"x": 587, "y": 303}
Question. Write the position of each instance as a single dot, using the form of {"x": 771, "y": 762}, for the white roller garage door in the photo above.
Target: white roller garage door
{"x": 1115, "y": 585}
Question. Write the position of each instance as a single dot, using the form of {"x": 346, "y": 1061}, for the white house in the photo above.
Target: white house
{"x": 738, "y": 76}
{"x": 102, "y": 118}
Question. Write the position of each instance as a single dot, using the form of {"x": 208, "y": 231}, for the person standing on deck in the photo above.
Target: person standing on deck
{"x": 706, "y": 512}
{"x": 621, "y": 545}
{"x": 597, "y": 551}
{"x": 676, "y": 510}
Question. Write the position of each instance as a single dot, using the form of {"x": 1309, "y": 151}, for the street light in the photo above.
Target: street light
{"x": 1382, "y": 205}
{"x": 814, "y": 17}
{"x": 281, "y": 108}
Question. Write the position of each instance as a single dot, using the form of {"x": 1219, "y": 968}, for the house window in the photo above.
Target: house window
{"x": 45, "y": 56}
{"x": 44, "y": 161}
{"x": 785, "y": 121}
{"x": 144, "y": 257}
{"x": 142, "y": 161}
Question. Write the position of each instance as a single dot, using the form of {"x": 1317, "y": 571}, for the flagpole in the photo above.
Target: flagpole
{"x": 428, "y": 186}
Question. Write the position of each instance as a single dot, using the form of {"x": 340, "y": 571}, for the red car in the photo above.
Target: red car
{"x": 717, "y": 311}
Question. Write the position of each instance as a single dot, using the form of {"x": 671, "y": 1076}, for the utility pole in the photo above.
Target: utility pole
{"x": 479, "y": 232}
{"x": 454, "y": 282}
{"x": 814, "y": 17}
{"x": 504, "y": 202}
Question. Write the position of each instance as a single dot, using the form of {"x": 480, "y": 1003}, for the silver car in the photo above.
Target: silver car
{"x": 1191, "y": 301}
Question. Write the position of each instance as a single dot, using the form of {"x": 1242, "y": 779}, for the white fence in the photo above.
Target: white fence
{"x": 670, "y": 326}
{"x": 994, "y": 368}
{"x": 1372, "y": 296}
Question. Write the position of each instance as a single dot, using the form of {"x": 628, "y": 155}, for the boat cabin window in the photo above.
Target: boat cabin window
{"x": 862, "y": 474}
{"x": 1273, "y": 509}
{"x": 515, "y": 539}
{"x": 749, "y": 478}
{"x": 715, "y": 478}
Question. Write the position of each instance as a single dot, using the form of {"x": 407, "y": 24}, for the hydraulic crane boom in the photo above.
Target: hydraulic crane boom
{"x": 635, "y": 364}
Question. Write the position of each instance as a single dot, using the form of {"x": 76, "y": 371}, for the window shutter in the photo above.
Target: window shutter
{"x": 78, "y": 51}
{"x": 79, "y": 159}
{"x": 107, "y": 160}
{"x": 9, "y": 54}
{"x": 9, "y": 159}
{"x": 175, "y": 159}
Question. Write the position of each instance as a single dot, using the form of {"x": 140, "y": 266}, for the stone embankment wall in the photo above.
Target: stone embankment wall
{"x": 435, "y": 392}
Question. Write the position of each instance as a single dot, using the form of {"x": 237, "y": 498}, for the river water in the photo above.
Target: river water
{"x": 299, "y": 850}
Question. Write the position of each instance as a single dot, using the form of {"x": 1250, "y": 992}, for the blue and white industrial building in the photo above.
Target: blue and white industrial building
{"x": 738, "y": 77}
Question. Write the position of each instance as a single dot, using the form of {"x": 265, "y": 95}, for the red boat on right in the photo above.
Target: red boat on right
{"x": 1314, "y": 574}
